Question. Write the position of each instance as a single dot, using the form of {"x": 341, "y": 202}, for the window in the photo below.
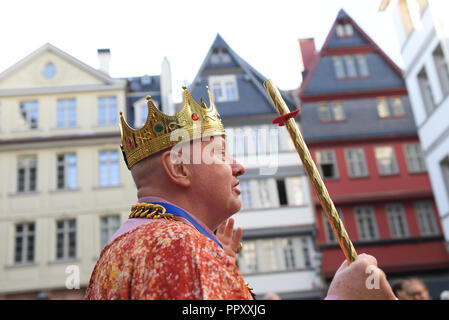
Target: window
{"x": 362, "y": 65}
{"x": 331, "y": 111}
{"x": 355, "y": 160}
{"x": 350, "y": 66}
{"x": 67, "y": 171}
{"x": 220, "y": 56}
{"x": 224, "y": 88}
{"x": 339, "y": 67}
{"x": 245, "y": 195}
{"x": 426, "y": 218}
{"x": 295, "y": 193}
{"x": 327, "y": 164}
{"x": 386, "y": 161}
{"x": 330, "y": 235}
{"x": 275, "y": 255}
{"x": 107, "y": 111}
{"x": 248, "y": 258}
{"x": 282, "y": 193}
{"x": 24, "y": 243}
{"x": 415, "y": 158}
{"x": 27, "y": 174}
{"x": 66, "y": 114}
{"x": 426, "y": 91}
{"x": 29, "y": 112}
{"x": 108, "y": 168}
{"x": 442, "y": 69}
{"x": 390, "y": 107}
{"x": 344, "y": 30}
{"x": 366, "y": 223}
{"x": 264, "y": 193}
{"x": 66, "y": 239}
{"x": 108, "y": 226}
{"x": 351, "y": 70}
{"x": 444, "y": 165}
{"x": 49, "y": 71}
{"x": 397, "y": 221}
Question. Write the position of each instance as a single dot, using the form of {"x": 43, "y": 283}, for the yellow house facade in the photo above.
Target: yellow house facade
{"x": 64, "y": 188}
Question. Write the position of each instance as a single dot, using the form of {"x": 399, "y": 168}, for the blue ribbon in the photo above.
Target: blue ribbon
{"x": 174, "y": 210}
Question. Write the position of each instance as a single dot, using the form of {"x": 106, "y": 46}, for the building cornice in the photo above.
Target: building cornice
{"x": 61, "y": 89}
{"x": 331, "y": 96}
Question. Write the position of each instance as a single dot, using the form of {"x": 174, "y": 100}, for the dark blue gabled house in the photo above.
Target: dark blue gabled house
{"x": 277, "y": 215}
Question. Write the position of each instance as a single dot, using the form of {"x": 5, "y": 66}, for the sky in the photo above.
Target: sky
{"x": 141, "y": 33}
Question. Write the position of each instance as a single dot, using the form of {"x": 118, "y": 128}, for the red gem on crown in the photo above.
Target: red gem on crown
{"x": 195, "y": 116}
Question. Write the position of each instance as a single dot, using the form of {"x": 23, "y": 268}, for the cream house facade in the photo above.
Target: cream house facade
{"x": 64, "y": 187}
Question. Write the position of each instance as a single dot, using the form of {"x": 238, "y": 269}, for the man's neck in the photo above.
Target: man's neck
{"x": 187, "y": 206}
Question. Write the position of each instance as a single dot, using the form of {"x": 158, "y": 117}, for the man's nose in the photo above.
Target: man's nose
{"x": 237, "y": 168}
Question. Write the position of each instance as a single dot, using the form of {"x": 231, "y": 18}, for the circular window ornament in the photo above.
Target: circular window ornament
{"x": 49, "y": 71}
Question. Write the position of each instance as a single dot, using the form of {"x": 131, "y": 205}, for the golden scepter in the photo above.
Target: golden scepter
{"x": 286, "y": 117}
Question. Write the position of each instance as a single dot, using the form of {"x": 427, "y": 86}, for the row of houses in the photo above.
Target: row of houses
{"x": 67, "y": 189}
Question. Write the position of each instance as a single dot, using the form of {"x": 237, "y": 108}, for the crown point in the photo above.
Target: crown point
{"x": 148, "y": 97}
{"x": 184, "y": 87}
{"x": 207, "y": 87}
{"x": 121, "y": 113}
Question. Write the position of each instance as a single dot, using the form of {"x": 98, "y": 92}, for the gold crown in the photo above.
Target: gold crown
{"x": 159, "y": 130}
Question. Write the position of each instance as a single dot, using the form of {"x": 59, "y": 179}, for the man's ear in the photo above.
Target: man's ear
{"x": 177, "y": 171}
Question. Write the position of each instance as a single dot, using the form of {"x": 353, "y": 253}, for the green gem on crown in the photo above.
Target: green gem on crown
{"x": 158, "y": 127}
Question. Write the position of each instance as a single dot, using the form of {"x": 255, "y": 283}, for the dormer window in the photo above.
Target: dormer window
{"x": 220, "y": 56}
{"x": 344, "y": 30}
{"x": 224, "y": 88}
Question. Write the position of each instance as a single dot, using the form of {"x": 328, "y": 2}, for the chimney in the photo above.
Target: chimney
{"x": 104, "y": 57}
{"x": 166, "y": 88}
{"x": 307, "y": 51}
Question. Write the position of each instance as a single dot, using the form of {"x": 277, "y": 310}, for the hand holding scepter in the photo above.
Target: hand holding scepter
{"x": 287, "y": 118}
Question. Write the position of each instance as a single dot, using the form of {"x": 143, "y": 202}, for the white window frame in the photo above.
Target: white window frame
{"x": 111, "y": 110}
{"x": 356, "y": 163}
{"x": 108, "y": 226}
{"x": 322, "y": 158}
{"x": 26, "y": 110}
{"x": 67, "y": 231}
{"x": 27, "y": 163}
{"x": 397, "y": 220}
{"x": 279, "y": 254}
{"x": 24, "y": 237}
{"x": 415, "y": 158}
{"x": 426, "y": 91}
{"x": 442, "y": 68}
{"x": 110, "y": 164}
{"x": 426, "y": 218}
{"x": 219, "y": 87}
{"x": 66, "y": 106}
{"x": 384, "y": 169}
{"x": 362, "y": 65}
{"x": 366, "y": 214}
{"x": 68, "y": 163}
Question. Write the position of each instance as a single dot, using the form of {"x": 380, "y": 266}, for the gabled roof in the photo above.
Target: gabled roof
{"x": 250, "y": 86}
{"x": 49, "y": 47}
{"x": 320, "y": 79}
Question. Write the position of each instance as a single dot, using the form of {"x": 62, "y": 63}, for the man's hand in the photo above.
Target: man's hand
{"x": 361, "y": 280}
{"x": 231, "y": 244}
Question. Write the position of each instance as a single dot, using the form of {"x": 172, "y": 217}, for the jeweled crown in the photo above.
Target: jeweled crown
{"x": 159, "y": 131}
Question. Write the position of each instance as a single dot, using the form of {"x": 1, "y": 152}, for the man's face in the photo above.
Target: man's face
{"x": 215, "y": 178}
{"x": 417, "y": 292}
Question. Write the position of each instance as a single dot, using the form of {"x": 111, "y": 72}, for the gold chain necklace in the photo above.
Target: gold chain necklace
{"x": 150, "y": 211}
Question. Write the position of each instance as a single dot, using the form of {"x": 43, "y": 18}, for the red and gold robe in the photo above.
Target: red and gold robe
{"x": 165, "y": 259}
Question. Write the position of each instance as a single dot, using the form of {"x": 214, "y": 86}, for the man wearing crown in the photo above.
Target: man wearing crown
{"x": 187, "y": 186}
